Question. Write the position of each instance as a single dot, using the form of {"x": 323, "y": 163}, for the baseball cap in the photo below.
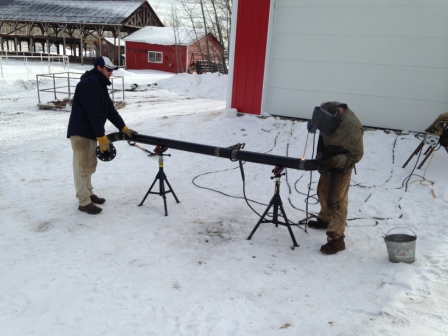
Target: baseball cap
{"x": 104, "y": 61}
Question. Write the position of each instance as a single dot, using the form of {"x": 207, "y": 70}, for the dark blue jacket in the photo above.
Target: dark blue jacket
{"x": 92, "y": 107}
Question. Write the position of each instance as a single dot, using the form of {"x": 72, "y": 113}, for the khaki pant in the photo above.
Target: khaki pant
{"x": 84, "y": 165}
{"x": 332, "y": 191}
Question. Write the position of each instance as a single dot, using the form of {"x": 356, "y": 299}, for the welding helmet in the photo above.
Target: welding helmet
{"x": 326, "y": 122}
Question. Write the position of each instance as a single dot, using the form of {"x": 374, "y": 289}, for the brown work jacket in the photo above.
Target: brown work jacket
{"x": 346, "y": 143}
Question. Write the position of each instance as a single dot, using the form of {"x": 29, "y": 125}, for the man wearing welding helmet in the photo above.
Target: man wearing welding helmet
{"x": 339, "y": 148}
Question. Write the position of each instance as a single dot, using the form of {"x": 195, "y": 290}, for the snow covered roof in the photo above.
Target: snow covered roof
{"x": 69, "y": 11}
{"x": 113, "y": 41}
{"x": 164, "y": 36}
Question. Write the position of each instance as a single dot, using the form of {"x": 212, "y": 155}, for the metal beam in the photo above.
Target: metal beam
{"x": 233, "y": 152}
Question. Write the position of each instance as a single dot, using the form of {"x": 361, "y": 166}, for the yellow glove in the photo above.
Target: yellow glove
{"x": 129, "y": 132}
{"x": 103, "y": 143}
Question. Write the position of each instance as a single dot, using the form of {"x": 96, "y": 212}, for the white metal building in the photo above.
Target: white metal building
{"x": 387, "y": 59}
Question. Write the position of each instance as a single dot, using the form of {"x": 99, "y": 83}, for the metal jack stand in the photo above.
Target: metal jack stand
{"x": 276, "y": 203}
{"x": 162, "y": 179}
{"x": 430, "y": 139}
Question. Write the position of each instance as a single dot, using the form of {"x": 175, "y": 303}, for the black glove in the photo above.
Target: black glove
{"x": 325, "y": 163}
{"x": 311, "y": 128}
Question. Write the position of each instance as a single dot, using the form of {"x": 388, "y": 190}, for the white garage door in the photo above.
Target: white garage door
{"x": 387, "y": 59}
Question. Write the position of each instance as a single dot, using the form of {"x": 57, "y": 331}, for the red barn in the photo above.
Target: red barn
{"x": 164, "y": 49}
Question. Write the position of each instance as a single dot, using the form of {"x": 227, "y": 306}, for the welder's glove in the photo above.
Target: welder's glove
{"x": 311, "y": 128}
{"x": 325, "y": 163}
{"x": 103, "y": 143}
{"x": 129, "y": 132}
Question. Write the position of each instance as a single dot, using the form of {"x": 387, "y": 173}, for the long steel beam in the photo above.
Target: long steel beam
{"x": 233, "y": 152}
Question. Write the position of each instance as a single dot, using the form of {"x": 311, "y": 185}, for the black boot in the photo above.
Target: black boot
{"x": 318, "y": 224}
{"x": 90, "y": 208}
{"x": 97, "y": 200}
{"x": 333, "y": 246}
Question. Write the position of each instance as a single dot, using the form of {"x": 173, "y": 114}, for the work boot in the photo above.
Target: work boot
{"x": 318, "y": 224}
{"x": 333, "y": 246}
{"x": 90, "y": 208}
{"x": 97, "y": 200}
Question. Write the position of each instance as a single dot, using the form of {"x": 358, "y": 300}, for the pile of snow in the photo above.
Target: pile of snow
{"x": 13, "y": 86}
{"x": 207, "y": 85}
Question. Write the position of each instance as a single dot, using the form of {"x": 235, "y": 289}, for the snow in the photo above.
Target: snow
{"x": 164, "y": 36}
{"x": 134, "y": 271}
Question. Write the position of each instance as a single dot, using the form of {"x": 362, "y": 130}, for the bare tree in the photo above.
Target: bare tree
{"x": 177, "y": 41}
{"x": 217, "y": 24}
{"x": 209, "y": 16}
{"x": 201, "y": 2}
{"x": 190, "y": 20}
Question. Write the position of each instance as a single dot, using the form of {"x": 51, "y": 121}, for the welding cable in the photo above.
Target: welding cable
{"x": 221, "y": 192}
{"x": 406, "y": 180}
{"x": 434, "y": 195}
{"x": 309, "y": 186}
{"x": 269, "y": 214}
{"x": 419, "y": 136}
{"x": 424, "y": 181}
{"x": 247, "y": 200}
{"x": 243, "y": 178}
{"x": 393, "y": 159}
{"x": 308, "y": 196}
{"x": 375, "y": 219}
{"x": 300, "y": 222}
{"x": 132, "y": 143}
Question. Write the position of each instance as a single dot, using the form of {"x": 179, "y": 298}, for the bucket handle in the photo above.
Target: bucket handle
{"x": 400, "y": 227}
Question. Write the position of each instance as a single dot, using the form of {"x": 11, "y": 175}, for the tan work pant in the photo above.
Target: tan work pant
{"x": 332, "y": 191}
{"x": 84, "y": 165}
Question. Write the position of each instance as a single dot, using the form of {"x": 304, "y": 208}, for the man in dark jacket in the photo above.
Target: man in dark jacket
{"x": 340, "y": 146}
{"x": 92, "y": 107}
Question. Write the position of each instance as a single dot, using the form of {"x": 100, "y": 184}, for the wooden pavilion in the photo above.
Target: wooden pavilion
{"x": 29, "y": 26}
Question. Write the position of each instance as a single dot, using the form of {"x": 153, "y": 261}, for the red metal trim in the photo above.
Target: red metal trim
{"x": 250, "y": 55}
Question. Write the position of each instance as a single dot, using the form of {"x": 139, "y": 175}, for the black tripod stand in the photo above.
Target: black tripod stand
{"x": 276, "y": 203}
{"x": 162, "y": 179}
{"x": 430, "y": 139}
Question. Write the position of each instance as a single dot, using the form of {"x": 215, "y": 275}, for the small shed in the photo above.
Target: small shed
{"x": 168, "y": 49}
{"x": 386, "y": 59}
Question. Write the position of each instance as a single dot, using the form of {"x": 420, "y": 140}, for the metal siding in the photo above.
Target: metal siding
{"x": 250, "y": 53}
{"x": 387, "y": 60}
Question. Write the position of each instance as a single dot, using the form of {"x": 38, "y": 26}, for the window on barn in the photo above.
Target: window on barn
{"x": 155, "y": 57}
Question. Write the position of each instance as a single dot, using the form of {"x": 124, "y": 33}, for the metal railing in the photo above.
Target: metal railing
{"x": 14, "y": 64}
{"x": 64, "y": 83}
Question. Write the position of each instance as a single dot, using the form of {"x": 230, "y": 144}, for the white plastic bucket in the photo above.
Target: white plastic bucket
{"x": 401, "y": 247}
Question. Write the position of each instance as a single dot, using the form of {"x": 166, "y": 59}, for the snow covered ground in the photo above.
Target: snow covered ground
{"x": 134, "y": 271}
